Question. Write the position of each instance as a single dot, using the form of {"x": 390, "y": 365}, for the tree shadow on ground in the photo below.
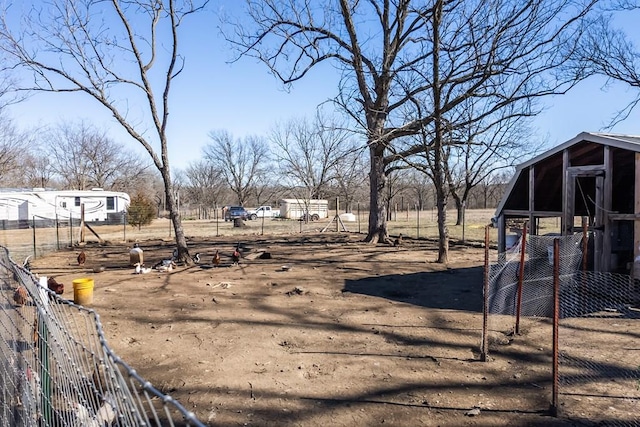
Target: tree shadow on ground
{"x": 459, "y": 289}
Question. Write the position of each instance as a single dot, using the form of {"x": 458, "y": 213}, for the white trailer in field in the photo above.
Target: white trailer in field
{"x": 313, "y": 209}
{"x": 23, "y": 206}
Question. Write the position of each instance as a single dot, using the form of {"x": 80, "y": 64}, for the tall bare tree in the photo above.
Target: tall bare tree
{"x": 437, "y": 52}
{"x": 36, "y": 170}
{"x": 13, "y": 144}
{"x": 83, "y": 156}
{"x": 610, "y": 51}
{"x": 350, "y": 177}
{"x": 205, "y": 184}
{"x": 307, "y": 154}
{"x": 241, "y": 161}
{"x": 481, "y": 148}
{"x": 118, "y": 53}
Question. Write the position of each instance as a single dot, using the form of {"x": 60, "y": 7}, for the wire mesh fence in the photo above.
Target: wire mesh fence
{"x": 587, "y": 323}
{"x": 599, "y": 349}
{"x": 56, "y": 368}
{"x": 39, "y": 236}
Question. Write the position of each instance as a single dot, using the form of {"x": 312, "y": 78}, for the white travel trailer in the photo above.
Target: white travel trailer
{"x": 41, "y": 205}
{"x": 297, "y": 208}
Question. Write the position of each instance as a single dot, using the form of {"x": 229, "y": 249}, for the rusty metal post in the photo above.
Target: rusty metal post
{"x": 485, "y": 299}
{"x": 556, "y": 321}
{"x": 523, "y": 250}
{"x": 585, "y": 242}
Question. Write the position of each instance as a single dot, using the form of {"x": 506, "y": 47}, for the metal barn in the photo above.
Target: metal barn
{"x": 594, "y": 176}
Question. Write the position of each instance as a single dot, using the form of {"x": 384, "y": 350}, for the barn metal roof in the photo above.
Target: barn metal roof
{"x": 549, "y": 162}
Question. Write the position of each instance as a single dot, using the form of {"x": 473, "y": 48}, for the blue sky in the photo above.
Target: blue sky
{"x": 243, "y": 98}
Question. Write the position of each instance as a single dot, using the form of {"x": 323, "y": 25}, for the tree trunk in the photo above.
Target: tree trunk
{"x": 459, "y": 209}
{"x": 441, "y": 204}
{"x": 377, "y": 203}
{"x": 439, "y": 172}
{"x": 174, "y": 215}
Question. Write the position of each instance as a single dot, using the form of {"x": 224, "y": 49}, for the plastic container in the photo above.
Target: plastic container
{"x": 83, "y": 291}
{"x": 136, "y": 256}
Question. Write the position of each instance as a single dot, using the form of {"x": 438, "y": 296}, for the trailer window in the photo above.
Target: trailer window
{"x": 77, "y": 202}
{"x": 111, "y": 203}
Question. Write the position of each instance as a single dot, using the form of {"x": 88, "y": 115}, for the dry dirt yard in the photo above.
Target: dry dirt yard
{"x": 350, "y": 335}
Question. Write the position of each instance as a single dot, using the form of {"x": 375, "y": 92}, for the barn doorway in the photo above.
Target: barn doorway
{"x": 585, "y": 198}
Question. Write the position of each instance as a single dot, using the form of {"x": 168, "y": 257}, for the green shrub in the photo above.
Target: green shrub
{"x": 141, "y": 211}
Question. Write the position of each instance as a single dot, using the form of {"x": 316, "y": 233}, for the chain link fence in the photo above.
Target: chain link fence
{"x": 589, "y": 322}
{"x": 56, "y": 368}
{"x": 599, "y": 349}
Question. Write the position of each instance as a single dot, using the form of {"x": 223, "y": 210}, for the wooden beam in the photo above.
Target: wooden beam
{"x": 587, "y": 169}
{"x": 565, "y": 196}
{"x": 636, "y": 224}
{"x": 624, "y": 217}
{"x": 606, "y": 208}
{"x": 525, "y": 214}
{"x": 502, "y": 233}
{"x": 600, "y": 256}
{"x": 532, "y": 195}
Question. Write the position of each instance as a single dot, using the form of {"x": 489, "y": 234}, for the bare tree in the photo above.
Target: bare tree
{"x": 204, "y": 183}
{"x": 13, "y": 144}
{"x": 266, "y": 187}
{"x": 350, "y": 175}
{"x": 609, "y": 51}
{"x": 36, "y": 170}
{"x": 241, "y": 161}
{"x": 488, "y": 192}
{"x": 390, "y": 53}
{"x": 115, "y": 52}
{"x": 485, "y": 147}
{"x": 307, "y": 154}
{"x": 397, "y": 181}
{"x": 419, "y": 185}
{"x": 83, "y": 156}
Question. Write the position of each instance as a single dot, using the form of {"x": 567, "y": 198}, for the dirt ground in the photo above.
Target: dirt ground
{"x": 327, "y": 332}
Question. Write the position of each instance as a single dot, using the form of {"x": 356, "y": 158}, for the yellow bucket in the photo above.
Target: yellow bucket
{"x": 83, "y": 291}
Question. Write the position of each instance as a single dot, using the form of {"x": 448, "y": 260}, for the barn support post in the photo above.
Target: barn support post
{"x": 556, "y": 320}
{"x": 502, "y": 235}
{"x": 567, "y": 199}
{"x": 636, "y": 222}
{"x": 532, "y": 196}
{"x": 585, "y": 242}
{"x": 606, "y": 200}
{"x": 523, "y": 250}
{"x": 585, "y": 260}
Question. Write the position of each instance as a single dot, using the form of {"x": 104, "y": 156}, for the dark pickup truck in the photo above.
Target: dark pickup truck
{"x": 234, "y": 212}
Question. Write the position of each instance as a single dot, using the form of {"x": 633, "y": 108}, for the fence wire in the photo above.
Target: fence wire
{"x": 56, "y": 368}
{"x": 598, "y": 325}
{"x": 599, "y": 349}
